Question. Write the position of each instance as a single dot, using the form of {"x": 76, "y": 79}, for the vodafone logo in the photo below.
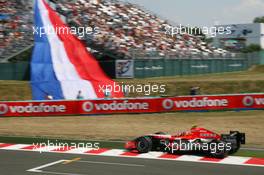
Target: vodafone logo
{"x": 115, "y": 106}
{"x": 168, "y": 104}
{"x": 31, "y": 108}
{"x": 248, "y": 101}
{"x": 194, "y": 103}
{"x": 3, "y": 109}
{"x": 88, "y": 106}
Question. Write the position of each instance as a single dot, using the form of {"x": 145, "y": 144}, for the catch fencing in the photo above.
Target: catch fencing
{"x": 150, "y": 67}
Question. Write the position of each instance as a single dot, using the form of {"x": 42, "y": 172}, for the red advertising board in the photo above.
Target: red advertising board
{"x": 222, "y": 102}
{"x": 40, "y": 108}
{"x": 136, "y": 105}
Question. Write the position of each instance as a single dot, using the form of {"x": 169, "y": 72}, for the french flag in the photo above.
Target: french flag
{"x": 61, "y": 66}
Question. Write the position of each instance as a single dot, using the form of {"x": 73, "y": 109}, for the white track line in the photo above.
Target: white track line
{"x": 38, "y": 169}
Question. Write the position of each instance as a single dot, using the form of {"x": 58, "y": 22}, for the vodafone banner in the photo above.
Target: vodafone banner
{"x": 223, "y": 102}
{"x": 43, "y": 108}
{"x": 140, "y": 105}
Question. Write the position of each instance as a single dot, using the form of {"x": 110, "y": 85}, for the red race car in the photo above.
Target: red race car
{"x": 197, "y": 140}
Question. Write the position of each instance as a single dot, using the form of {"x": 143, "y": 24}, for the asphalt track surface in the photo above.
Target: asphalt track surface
{"x": 29, "y": 163}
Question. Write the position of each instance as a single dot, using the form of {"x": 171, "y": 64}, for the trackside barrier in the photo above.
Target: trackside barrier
{"x": 135, "y": 105}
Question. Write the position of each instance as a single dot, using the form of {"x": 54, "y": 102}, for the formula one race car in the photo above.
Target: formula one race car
{"x": 197, "y": 140}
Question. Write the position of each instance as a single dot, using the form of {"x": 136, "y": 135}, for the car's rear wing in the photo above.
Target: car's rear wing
{"x": 234, "y": 135}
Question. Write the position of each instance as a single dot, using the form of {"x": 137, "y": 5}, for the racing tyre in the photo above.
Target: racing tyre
{"x": 234, "y": 147}
{"x": 216, "y": 151}
{"x": 144, "y": 144}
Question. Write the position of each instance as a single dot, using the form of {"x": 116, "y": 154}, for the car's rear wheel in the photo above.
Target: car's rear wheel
{"x": 217, "y": 151}
{"x": 144, "y": 144}
{"x": 234, "y": 147}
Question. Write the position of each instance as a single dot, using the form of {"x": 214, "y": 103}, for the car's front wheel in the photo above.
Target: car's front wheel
{"x": 143, "y": 144}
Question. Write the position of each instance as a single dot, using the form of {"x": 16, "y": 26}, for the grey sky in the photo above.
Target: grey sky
{"x": 205, "y": 12}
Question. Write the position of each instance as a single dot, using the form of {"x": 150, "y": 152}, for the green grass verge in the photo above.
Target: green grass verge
{"x": 103, "y": 144}
{"x": 250, "y": 81}
{"x": 250, "y": 153}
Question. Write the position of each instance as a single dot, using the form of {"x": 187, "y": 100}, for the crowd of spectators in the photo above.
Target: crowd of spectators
{"x": 123, "y": 28}
{"x": 15, "y": 26}
{"x": 127, "y": 29}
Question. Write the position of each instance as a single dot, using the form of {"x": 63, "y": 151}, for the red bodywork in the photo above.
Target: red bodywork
{"x": 193, "y": 134}
{"x": 130, "y": 145}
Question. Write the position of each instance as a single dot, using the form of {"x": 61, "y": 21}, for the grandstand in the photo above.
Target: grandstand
{"x": 125, "y": 31}
{"x": 16, "y": 27}
{"x": 131, "y": 32}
